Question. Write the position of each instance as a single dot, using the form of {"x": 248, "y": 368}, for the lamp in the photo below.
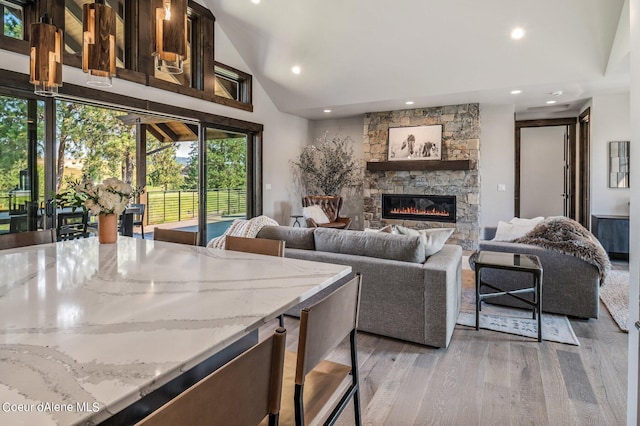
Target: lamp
{"x": 98, "y": 43}
{"x": 45, "y": 63}
{"x": 171, "y": 36}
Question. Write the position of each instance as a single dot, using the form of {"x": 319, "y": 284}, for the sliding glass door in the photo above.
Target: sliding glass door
{"x": 225, "y": 183}
{"x": 21, "y": 164}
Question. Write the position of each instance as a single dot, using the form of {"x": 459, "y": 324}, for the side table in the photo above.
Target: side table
{"x": 525, "y": 263}
{"x": 295, "y": 222}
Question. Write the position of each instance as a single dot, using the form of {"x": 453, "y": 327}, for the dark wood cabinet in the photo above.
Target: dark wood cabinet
{"x": 613, "y": 234}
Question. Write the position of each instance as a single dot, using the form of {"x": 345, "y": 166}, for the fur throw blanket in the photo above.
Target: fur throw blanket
{"x": 567, "y": 236}
{"x": 242, "y": 228}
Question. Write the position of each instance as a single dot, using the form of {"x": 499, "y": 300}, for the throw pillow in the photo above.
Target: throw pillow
{"x": 509, "y": 232}
{"x": 434, "y": 238}
{"x": 316, "y": 213}
{"x": 387, "y": 229}
{"x": 531, "y": 223}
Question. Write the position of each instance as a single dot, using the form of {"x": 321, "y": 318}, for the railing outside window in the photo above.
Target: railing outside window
{"x": 177, "y": 206}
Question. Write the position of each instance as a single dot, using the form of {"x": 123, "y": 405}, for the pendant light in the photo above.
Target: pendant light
{"x": 45, "y": 52}
{"x": 99, "y": 43}
{"x": 171, "y": 36}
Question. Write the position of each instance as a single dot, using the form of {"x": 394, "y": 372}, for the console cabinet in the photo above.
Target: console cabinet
{"x": 613, "y": 234}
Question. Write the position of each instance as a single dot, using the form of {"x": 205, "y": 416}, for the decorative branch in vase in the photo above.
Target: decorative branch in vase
{"x": 327, "y": 167}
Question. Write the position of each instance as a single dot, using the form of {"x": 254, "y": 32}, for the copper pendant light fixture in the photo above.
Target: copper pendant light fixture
{"x": 99, "y": 43}
{"x": 45, "y": 52}
{"x": 171, "y": 36}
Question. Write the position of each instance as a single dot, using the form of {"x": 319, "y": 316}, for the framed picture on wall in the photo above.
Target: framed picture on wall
{"x": 415, "y": 143}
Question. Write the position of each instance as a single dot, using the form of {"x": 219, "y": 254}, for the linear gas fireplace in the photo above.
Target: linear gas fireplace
{"x": 436, "y": 208}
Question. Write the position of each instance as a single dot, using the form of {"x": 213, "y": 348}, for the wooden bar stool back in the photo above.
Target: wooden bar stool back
{"x": 243, "y": 392}
{"x": 255, "y": 245}
{"x": 175, "y": 236}
{"x": 317, "y": 383}
{"x": 30, "y": 238}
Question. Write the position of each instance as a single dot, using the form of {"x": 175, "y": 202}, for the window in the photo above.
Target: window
{"x": 232, "y": 84}
{"x": 12, "y": 19}
{"x": 73, "y": 27}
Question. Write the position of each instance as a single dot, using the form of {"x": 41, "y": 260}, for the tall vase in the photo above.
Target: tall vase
{"x": 107, "y": 228}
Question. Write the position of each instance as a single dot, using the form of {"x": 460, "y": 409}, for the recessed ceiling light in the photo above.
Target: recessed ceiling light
{"x": 255, "y": 1}
{"x": 327, "y": 110}
{"x": 551, "y": 102}
{"x": 409, "y": 102}
{"x": 517, "y": 33}
{"x": 516, "y": 92}
{"x": 296, "y": 69}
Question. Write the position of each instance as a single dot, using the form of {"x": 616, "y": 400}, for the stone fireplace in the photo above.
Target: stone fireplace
{"x": 455, "y": 175}
{"x": 434, "y": 208}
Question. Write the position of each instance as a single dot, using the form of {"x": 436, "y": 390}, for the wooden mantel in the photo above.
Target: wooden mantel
{"x": 409, "y": 165}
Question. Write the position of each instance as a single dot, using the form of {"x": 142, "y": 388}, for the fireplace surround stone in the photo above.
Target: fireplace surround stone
{"x": 460, "y": 141}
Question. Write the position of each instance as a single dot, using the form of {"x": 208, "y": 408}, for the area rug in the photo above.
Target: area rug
{"x": 555, "y": 328}
{"x": 615, "y": 296}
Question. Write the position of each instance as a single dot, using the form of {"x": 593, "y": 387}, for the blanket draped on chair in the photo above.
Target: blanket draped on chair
{"x": 242, "y": 228}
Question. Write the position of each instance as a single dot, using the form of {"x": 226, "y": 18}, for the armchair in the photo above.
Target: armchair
{"x": 330, "y": 205}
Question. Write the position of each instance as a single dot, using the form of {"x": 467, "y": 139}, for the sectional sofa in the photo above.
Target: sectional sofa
{"x": 405, "y": 295}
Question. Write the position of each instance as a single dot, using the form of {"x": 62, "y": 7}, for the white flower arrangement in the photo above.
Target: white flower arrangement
{"x": 109, "y": 197}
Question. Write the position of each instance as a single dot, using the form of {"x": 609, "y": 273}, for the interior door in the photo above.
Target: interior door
{"x": 543, "y": 172}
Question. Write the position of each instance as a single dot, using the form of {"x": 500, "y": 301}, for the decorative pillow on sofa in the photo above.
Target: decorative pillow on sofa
{"x": 516, "y": 228}
{"x": 434, "y": 238}
{"x": 405, "y": 248}
{"x": 387, "y": 230}
{"x": 531, "y": 223}
{"x": 316, "y": 213}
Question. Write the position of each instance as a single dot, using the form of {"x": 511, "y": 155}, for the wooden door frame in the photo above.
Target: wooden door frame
{"x": 570, "y": 122}
{"x": 584, "y": 175}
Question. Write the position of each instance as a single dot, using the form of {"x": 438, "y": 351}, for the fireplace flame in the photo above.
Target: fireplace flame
{"x": 416, "y": 211}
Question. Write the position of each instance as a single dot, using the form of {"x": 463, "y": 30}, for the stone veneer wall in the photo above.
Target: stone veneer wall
{"x": 460, "y": 141}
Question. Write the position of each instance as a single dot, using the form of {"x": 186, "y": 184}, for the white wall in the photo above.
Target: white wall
{"x": 542, "y": 171}
{"x": 610, "y": 121}
{"x": 496, "y": 163}
{"x": 284, "y": 134}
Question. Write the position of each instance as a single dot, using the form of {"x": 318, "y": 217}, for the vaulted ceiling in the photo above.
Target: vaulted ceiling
{"x": 374, "y": 55}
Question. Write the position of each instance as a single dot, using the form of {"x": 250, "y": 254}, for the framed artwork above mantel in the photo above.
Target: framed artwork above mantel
{"x": 415, "y": 143}
{"x": 418, "y": 165}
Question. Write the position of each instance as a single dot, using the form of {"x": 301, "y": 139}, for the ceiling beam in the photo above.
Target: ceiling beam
{"x": 156, "y": 133}
{"x": 164, "y": 128}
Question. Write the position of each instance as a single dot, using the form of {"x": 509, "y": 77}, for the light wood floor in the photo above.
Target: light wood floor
{"x": 490, "y": 378}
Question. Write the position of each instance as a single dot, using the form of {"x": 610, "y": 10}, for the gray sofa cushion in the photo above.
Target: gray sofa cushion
{"x": 294, "y": 238}
{"x": 404, "y": 248}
